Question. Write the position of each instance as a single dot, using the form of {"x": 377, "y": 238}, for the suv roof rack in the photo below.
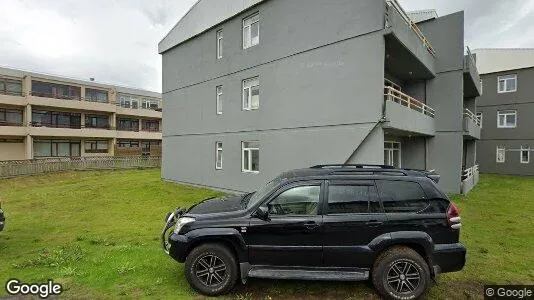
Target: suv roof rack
{"x": 377, "y": 169}
{"x": 355, "y": 166}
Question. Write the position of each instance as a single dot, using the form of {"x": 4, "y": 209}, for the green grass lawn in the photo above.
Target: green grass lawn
{"x": 97, "y": 233}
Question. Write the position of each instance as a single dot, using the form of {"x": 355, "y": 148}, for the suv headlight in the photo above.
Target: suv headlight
{"x": 181, "y": 222}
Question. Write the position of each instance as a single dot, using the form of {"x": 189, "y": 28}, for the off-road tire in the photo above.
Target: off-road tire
{"x": 205, "y": 252}
{"x": 398, "y": 256}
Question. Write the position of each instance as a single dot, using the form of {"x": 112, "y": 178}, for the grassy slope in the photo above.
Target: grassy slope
{"x": 98, "y": 234}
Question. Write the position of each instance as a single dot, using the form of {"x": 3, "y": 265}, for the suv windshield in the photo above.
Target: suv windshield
{"x": 266, "y": 189}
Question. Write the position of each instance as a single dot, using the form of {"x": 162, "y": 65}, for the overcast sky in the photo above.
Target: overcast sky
{"x": 115, "y": 41}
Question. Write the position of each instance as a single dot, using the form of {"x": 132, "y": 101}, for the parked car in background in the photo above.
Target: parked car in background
{"x": 329, "y": 222}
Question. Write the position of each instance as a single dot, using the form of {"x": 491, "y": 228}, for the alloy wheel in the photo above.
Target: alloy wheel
{"x": 210, "y": 270}
{"x": 403, "y": 277}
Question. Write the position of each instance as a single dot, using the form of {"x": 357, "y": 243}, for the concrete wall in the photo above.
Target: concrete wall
{"x": 413, "y": 153}
{"x": 511, "y": 138}
{"x": 12, "y": 151}
{"x": 445, "y": 95}
{"x": 301, "y": 120}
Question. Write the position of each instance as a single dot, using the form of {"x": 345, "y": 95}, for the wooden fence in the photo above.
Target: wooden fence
{"x": 49, "y": 165}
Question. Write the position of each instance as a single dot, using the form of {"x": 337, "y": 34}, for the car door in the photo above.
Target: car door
{"x": 352, "y": 218}
{"x": 292, "y": 236}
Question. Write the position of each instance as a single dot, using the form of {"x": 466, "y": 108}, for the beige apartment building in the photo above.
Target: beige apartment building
{"x": 44, "y": 116}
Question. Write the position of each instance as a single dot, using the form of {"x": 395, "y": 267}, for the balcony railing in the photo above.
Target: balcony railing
{"x": 391, "y": 94}
{"x": 394, "y": 4}
{"x": 469, "y": 173}
{"x": 6, "y": 123}
{"x": 10, "y": 93}
{"x": 472, "y": 116}
{"x": 68, "y": 126}
{"x": 55, "y": 96}
{"x": 470, "y": 57}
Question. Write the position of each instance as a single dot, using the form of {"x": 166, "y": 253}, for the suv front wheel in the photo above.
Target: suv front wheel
{"x": 211, "y": 269}
{"x": 400, "y": 273}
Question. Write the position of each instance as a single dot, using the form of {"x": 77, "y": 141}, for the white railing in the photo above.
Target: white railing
{"x": 469, "y": 173}
{"x": 472, "y": 116}
{"x": 391, "y": 94}
{"x": 412, "y": 25}
{"x": 49, "y": 165}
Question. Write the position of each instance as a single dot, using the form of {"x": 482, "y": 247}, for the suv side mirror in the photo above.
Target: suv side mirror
{"x": 261, "y": 213}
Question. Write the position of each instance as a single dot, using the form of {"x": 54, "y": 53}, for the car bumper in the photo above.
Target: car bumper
{"x": 178, "y": 247}
{"x": 449, "y": 257}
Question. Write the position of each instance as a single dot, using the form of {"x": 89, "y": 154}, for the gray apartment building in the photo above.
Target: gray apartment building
{"x": 506, "y": 110}
{"x": 253, "y": 88}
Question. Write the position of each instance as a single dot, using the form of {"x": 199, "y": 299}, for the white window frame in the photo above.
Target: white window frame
{"x": 505, "y": 79}
{"x": 248, "y": 85}
{"x": 248, "y": 152}
{"x": 480, "y": 117}
{"x": 497, "y": 158}
{"x": 247, "y": 25}
{"x": 391, "y": 150}
{"x": 506, "y": 113}
{"x": 218, "y": 155}
{"x": 218, "y": 100}
{"x": 524, "y": 149}
{"x": 220, "y": 37}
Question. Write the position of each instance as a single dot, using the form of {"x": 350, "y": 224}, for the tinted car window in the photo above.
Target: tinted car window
{"x": 349, "y": 199}
{"x": 302, "y": 200}
{"x": 402, "y": 196}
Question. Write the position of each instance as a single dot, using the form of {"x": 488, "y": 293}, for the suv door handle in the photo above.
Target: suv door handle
{"x": 374, "y": 223}
{"x": 311, "y": 225}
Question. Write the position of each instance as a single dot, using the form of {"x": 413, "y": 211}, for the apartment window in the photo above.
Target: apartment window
{"x": 251, "y": 31}
{"x": 218, "y": 155}
{"x": 128, "y": 102}
{"x": 127, "y": 144}
{"x": 54, "y": 90}
{"x": 507, "y": 119}
{"x": 93, "y": 95}
{"x": 250, "y": 156}
{"x": 219, "y": 100}
{"x": 149, "y": 104}
{"x": 96, "y": 121}
{"x": 10, "y": 87}
{"x": 150, "y": 125}
{"x": 219, "y": 44}
{"x": 128, "y": 125}
{"x": 501, "y": 154}
{"x": 392, "y": 154}
{"x": 525, "y": 155}
{"x": 507, "y": 83}
{"x": 10, "y": 117}
{"x": 480, "y": 117}
{"x": 251, "y": 93}
{"x": 56, "y": 119}
{"x": 56, "y": 148}
{"x": 96, "y": 146}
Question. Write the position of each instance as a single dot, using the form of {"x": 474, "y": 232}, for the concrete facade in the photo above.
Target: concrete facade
{"x": 323, "y": 97}
{"x": 513, "y": 139}
{"x": 68, "y": 120}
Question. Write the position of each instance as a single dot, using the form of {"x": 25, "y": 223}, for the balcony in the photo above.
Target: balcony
{"x": 139, "y": 112}
{"x": 51, "y": 100}
{"x": 470, "y": 178}
{"x": 139, "y": 135}
{"x": 408, "y": 51}
{"x": 472, "y": 83}
{"x": 472, "y": 125}
{"x": 12, "y": 129}
{"x": 12, "y": 98}
{"x": 407, "y": 114}
{"x": 75, "y": 130}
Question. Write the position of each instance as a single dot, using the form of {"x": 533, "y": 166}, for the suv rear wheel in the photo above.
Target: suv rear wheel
{"x": 211, "y": 269}
{"x": 400, "y": 273}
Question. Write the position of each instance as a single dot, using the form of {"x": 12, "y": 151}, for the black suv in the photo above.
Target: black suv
{"x": 328, "y": 222}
